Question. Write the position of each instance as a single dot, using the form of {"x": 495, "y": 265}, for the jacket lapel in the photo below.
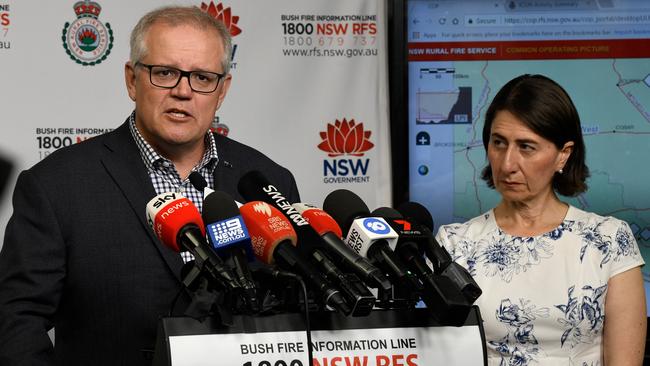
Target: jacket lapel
{"x": 123, "y": 162}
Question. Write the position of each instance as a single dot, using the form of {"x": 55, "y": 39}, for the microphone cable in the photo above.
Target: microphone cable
{"x": 277, "y": 273}
{"x": 307, "y": 323}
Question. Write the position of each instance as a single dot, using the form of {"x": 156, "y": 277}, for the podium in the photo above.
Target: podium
{"x": 383, "y": 338}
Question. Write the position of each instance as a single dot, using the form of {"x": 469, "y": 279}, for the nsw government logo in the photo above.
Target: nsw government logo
{"x": 225, "y": 15}
{"x": 346, "y": 142}
{"x": 87, "y": 40}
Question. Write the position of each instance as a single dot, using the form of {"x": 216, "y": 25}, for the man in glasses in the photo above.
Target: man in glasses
{"x": 78, "y": 253}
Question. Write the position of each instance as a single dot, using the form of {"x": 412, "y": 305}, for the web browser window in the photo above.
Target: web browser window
{"x": 462, "y": 52}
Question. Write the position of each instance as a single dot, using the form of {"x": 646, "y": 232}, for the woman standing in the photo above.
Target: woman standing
{"x": 561, "y": 286}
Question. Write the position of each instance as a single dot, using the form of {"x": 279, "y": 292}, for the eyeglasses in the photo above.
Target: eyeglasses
{"x": 168, "y": 77}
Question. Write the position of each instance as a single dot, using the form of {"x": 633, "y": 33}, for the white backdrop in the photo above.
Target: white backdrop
{"x": 298, "y": 67}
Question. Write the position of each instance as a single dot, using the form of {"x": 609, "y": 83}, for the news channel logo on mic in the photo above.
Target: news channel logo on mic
{"x": 228, "y": 232}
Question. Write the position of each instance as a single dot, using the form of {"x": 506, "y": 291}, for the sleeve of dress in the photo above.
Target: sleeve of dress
{"x": 442, "y": 237}
{"x": 625, "y": 250}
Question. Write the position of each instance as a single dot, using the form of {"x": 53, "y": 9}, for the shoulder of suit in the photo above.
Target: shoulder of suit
{"x": 75, "y": 154}
{"x": 232, "y": 149}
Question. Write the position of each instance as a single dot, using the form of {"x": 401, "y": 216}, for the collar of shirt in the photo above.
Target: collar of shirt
{"x": 162, "y": 171}
{"x": 154, "y": 161}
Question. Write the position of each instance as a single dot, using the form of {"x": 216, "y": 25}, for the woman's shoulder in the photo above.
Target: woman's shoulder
{"x": 474, "y": 227}
{"x": 592, "y": 221}
{"x": 611, "y": 238}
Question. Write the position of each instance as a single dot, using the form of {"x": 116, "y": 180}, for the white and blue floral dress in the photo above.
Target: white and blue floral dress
{"x": 543, "y": 300}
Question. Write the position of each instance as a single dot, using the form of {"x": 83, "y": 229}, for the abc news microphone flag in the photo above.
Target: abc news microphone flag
{"x": 309, "y": 84}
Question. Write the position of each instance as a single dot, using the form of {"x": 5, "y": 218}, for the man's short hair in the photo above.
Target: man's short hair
{"x": 176, "y": 16}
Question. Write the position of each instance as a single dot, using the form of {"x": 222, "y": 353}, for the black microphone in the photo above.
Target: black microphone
{"x": 371, "y": 237}
{"x": 229, "y": 237}
{"x": 198, "y": 182}
{"x": 419, "y": 215}
{"x": 177, "y": 223}
{"x": 355, "y": 292}
{"x": 440, "y": 294}
{"x": 442, "y": 262}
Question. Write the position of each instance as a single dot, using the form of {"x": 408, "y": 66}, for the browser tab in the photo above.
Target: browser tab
{"x": 549, "y": 5}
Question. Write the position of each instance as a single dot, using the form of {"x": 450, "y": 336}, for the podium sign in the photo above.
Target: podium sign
{"x": 266, "y": 348}
{"x": 384, "y": 338}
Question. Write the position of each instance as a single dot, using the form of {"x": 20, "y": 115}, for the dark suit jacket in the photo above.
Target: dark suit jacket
{"x": 78, "y": 253}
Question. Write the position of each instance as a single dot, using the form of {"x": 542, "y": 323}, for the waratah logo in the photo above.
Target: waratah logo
{"x": 345, "y": 138}
{"x": 224, "y": 14}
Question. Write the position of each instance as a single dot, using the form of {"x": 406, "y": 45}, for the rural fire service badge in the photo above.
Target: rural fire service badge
{"x": 87, "y": 40}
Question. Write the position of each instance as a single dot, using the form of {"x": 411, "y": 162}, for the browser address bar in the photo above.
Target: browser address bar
{"x": 549, "y": 19}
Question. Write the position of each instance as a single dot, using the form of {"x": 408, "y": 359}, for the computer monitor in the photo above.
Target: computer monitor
{"x": 461, "y": 52}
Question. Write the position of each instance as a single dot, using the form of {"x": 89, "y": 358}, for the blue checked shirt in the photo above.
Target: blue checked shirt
{"x": 164, "y": 176}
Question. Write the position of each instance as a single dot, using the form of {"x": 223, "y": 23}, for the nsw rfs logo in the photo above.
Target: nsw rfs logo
{"x": 345, "y": 138}
{"x": 87, "y": 40}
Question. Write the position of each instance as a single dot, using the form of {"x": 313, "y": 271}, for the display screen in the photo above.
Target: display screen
{"x": 460, "y": 53}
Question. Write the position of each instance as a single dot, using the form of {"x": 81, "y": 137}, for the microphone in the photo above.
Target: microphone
{"x": 440, "y": 293}
{"x": 254, "y": 186}
{"x": 198, "y": 182}
{"x": 442, "y": 262}
{"x": 331, "y": 234}
{"x": 369, "y": 236}
{"x": 177, "y": 224}
{"x": 421, "y": 217}
{"x": 229, "y": 238}
{"x": 273, "y": 240}
{"x": 354, "y": 290}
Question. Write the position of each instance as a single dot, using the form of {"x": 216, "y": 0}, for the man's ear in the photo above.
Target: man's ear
{"x": 129, "y": 79}
{"x": 223, "y": 89}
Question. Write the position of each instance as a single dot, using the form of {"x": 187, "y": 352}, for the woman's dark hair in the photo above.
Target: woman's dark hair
{"x": 546, "y": 108}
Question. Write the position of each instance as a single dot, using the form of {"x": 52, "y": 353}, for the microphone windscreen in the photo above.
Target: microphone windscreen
{"x": 198, "y": 181}
{"x": 218, "y": 206}
{"x": 168, "y": 213}
{"x": 387, "y": 212}
{"x": 318, "y": 219}
{"x": 417, "y": 212}
{"x": 251, "y": 186}
{"x": 225, "y": 225}
{"x": 344, "y": 206}
{"x": 267, "y": 227}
